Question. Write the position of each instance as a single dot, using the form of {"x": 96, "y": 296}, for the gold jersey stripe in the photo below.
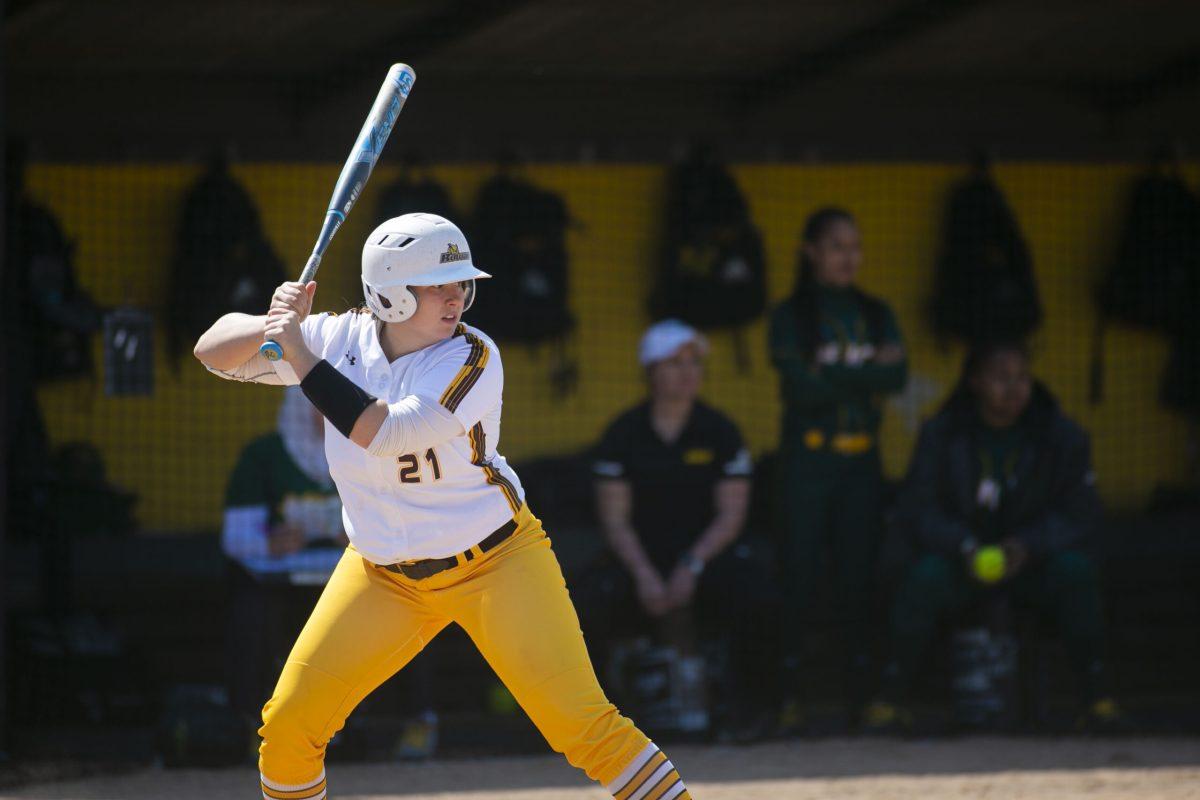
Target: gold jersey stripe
{"x": 468, "y": 381}
{"x": 478, "y": 452}
{"x": 491, "y": 474}
{"x": 469, "y": 374}
{"x": 461, "y": 330}
{"x": 473, "y": 357}
{"x": 510, "y": 492}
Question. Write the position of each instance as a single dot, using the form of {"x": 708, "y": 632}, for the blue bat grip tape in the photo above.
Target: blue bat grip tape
{"x": 271, "y": 351}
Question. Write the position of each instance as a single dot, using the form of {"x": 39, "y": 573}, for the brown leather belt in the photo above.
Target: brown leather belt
{"x": 426, "y": 567}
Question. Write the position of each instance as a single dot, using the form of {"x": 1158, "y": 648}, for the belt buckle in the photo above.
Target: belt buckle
{"x": 402, "y": 567}
{"x": 852, "y": 443}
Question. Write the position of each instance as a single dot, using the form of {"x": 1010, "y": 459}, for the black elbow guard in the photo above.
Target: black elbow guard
{"x": 336, "y": 396}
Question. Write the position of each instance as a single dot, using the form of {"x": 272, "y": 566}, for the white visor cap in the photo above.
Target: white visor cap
{"x": 417, "y": 250}
{"x": 665, "y": 339}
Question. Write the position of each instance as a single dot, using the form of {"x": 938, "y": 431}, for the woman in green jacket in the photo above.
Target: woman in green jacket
{"x": 839, "y": 352}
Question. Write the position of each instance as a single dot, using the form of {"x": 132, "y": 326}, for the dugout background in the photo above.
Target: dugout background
{"x": 177, "y": 446}
{"x": 875, "y": 105}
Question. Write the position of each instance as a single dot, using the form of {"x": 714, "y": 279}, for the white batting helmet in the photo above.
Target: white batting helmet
{"x": 414, "y": 250}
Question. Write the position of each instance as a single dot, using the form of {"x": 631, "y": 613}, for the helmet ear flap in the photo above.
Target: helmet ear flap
{"x": 407, "y": 300}
{"x": 395, "y": 304}
{"x": 469, "y": 295}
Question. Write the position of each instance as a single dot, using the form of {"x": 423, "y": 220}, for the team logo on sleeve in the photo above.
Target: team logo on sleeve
{"x": 453, "y": 254}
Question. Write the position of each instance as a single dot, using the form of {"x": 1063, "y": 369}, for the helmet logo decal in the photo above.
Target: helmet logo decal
{"x": 452, "y": 254}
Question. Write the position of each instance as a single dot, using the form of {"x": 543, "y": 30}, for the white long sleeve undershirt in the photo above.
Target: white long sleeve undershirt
{"x": 414, "y": 423}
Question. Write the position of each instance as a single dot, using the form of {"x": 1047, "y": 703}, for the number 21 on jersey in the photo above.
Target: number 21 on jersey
{"x": 410, "y": 466}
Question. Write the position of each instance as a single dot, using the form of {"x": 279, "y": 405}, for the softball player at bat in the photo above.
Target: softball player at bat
{"x": 439, "y": 530}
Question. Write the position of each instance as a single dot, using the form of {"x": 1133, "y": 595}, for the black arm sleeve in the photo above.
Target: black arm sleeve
{"x": 340, "y": 399}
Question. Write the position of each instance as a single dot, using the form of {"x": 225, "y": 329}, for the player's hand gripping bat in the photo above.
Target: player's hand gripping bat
{"x": 356, "y": 171}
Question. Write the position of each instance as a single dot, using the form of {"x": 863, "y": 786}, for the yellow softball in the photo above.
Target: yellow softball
{"x": 990, "y": 564}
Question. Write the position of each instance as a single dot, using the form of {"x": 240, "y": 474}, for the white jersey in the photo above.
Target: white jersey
{"x": 440, "y": 501}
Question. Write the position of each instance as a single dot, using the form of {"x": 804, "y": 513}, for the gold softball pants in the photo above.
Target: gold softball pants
{"x": 512, "y": 601}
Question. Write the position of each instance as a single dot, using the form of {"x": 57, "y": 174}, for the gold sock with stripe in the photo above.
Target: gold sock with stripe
{"x": 650, "y": 776}
{"x": 309, "y": 790}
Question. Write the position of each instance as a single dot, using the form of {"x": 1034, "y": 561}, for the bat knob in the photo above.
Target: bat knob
{"x": 270, "y": 351}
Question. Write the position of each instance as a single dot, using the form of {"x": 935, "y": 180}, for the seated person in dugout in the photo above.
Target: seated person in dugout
{"x": 1001, "y": 466}
{"x": 282, "y": 536}
{"x": 672, "y": 482}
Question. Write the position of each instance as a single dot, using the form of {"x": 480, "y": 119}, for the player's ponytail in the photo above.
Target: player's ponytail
{"x": 804, "y": 296}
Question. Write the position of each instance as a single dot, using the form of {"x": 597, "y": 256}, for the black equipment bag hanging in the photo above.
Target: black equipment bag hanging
{"x": 984, "y": 287}
{"x": 519, "y": 237}
{"x": 1181, "y": 377}
{"x": 223, "y": 261}
{"x": 415, "y": 191}
{"x": 48, "y": 317}
{"x": 712, "y": 270}
{"x": 1154, "y": 282}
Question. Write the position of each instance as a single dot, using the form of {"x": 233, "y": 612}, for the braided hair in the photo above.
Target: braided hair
{"x": 804, "y": 295}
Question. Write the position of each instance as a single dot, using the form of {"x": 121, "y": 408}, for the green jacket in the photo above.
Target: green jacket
{"x": 265, "y": 475}
{"x": 841, "y": 389}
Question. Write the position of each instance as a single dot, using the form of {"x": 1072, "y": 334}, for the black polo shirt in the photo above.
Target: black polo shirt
{"x": 673, "y": 483}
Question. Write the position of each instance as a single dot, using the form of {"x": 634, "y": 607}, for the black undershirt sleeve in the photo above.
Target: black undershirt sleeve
{"x": 340, "y": 399}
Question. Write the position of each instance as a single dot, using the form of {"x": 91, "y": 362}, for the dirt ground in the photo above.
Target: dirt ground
{"x": 996, "y": 769}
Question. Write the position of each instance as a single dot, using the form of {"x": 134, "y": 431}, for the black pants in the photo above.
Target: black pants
{"x": 1064, "y": 587}
{"x": 735, "y": 603}
{"x": 830, "y": 514}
